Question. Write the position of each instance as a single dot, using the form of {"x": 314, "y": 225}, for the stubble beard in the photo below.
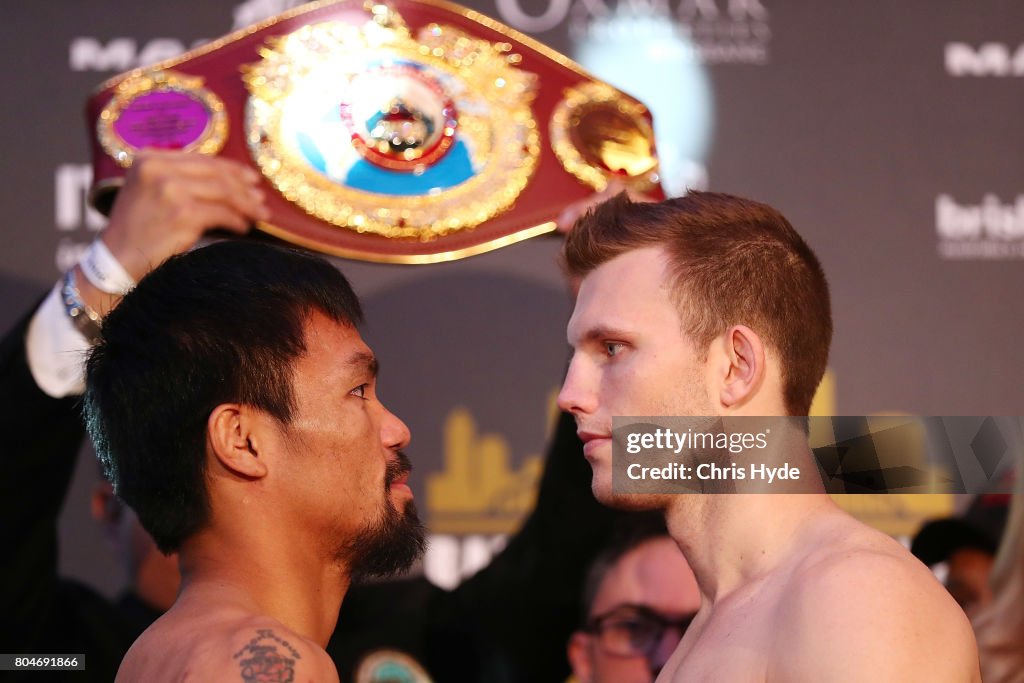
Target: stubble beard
{"x": 390, "y": 544}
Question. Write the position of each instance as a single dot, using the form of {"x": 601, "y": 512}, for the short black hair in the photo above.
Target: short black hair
{"x": 221, "y": 324}
{"x": 628, "y": 532}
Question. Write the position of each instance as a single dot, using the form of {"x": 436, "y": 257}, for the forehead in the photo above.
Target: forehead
{"x": 332, "y": 349}
{"x": 628, "y": 293}
{"x": 654, "y": 574}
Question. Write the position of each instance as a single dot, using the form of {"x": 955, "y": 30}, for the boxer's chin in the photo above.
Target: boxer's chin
{"x": 389, "y": 546}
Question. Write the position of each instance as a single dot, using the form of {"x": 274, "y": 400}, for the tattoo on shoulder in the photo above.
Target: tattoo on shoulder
{"x": 267, "y": 658}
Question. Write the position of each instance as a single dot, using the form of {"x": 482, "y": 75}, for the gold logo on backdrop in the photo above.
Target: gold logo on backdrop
{"x": 479, "y": 491}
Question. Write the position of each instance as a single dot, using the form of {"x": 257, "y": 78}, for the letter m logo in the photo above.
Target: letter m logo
{"x": 990, "y": 59}
{"x": 88, "y": 54}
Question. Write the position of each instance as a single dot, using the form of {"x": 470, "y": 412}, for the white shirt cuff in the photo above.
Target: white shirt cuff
{"x": 56, "y": 349}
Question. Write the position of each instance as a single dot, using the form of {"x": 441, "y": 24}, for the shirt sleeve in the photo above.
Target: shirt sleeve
{"x": 56, "y": 349}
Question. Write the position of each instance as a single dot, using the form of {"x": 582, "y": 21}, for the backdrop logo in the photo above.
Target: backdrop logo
{"x": 477, "y": 499}
{"x": 719, "y": 31}
{"x": 733, "y": 32}
{"x": 77, "y": 223}
{"x": 252, "y": 11}
{"x": 88, "y": 53}
{"x": 989, "y": 230}
{"x": 989, "y": 59}
{"x": 478, "y": 491}
{"x": 122, "y": 54}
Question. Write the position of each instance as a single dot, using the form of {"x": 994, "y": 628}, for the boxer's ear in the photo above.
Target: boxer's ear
{"x": 230, "y": 438}
{"x": 740, "y": 366}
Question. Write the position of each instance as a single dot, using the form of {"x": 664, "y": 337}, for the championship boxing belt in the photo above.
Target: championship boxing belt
{"x": 414, "y": 131}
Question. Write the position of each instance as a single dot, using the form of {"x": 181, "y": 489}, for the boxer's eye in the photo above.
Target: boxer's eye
{"x": 613, "y": 348}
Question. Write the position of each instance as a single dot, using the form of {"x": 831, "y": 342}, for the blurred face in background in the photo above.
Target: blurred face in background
{"x": 638, "y": 616}
{"x": 152, "y": 576}
{"x": 967, "y": 579}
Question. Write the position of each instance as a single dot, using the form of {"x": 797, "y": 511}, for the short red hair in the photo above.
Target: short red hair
{"x": 733, "y": 261}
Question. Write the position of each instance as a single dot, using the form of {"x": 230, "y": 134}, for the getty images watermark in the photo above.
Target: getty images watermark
{"x": 848, "y": 454}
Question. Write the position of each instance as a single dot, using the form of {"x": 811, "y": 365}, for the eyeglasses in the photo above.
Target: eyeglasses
{"x": 634, "y": 630}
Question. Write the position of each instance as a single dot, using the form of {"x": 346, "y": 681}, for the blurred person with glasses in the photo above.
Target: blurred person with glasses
{"x": 638, "y": 599}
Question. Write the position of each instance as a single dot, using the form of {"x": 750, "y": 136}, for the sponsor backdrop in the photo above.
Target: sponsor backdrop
{"x": 889, "y": 133}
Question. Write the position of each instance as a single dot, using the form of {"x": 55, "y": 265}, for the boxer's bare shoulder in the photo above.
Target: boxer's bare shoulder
{"x": 848, "y": 604}
{"x": 225, "y": 647}
{"x": 863, "y": 608}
